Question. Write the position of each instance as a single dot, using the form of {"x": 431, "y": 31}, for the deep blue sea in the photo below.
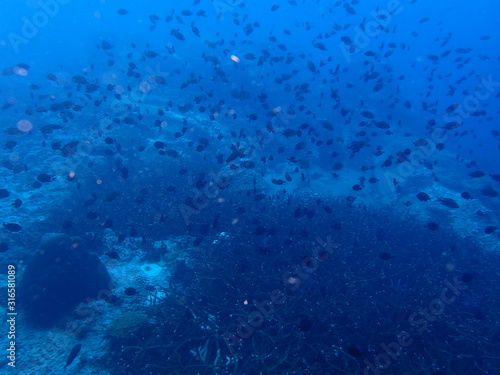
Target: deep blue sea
{"x": 232, "y": 187}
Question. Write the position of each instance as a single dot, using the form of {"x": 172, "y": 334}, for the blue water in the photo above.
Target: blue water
{"x": 232, "y": 187}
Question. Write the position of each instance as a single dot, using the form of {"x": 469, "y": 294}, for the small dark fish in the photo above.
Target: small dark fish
{"x": 431, "y": 226}
{"x": 277, "y": 182}
{"x": 300, "y": 146}
{"x": 4, "y": 193}
{"x": 177, "y": 34}
{"x": 490, "y": 229}
{"x": 312, "y": 67}
{"x": 249, "y": 165}
{"x": 112, "y": 255}
{"x": 336, "y": 226}
{"x": 327, "y": 209}
{"x": 320, "y": 46}
{"x": 129, "y": 121}
{"x": 448, "y": 202}
{"x": 289, "y": 133}
{"x": 150, "y": 54}
{"x": 235, "y": 154}
{"x": 13, "y": 227}
{"x": 382, "y": 124}
{"x": 105, "y": 45}
{"x": 466, "y": 195}
{"x": 496, "y": 177}
{"x": 70, "y": 149}
{"x": 47, "y": 129}
{"x": 124, "y": 172}
{"x": 131, "y": 291}
{"x": 90, "y": 202}
{"x": 112, "y": 196}
{"x": 357, "y": 351}
{"x": 346, "y": 40}
{"x": 384, "y": 255}
{"x": 90, "y": 88}
{"x": 477, "y": 174}
{"x": 9, "y": 145}
{"x": 159, "y": 145}
{"x": 72, "y": 355}
{"x": 424, "y": 197}
{"x": 195, "y": 30}
{"x": 421, "y": 142}
{"x": 297, "y": 213}
{"x": 44, "y": 177}
{"x": 13, "y": 131}
{"x": 327, "y": 125}
{"x": 122, "y": 11}
{"x": 172, "y": 153}
{"x": 367, "y": 114}
{"x": 489, "y": 192}
{"x": 259, "y": 197}
{"x": 17, "y": 203}
{"x": 153, "y": 18}
{"x": 4, "y": 246}
{"x": 80, "y": 80}
{"x": 452, "y": 125}
{"x": 108, "y": 223}
{"x": 468, "y": 276}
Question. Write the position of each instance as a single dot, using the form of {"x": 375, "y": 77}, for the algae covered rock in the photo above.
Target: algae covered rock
{"x": 59, "y": 276}
{"x": 128, "y": 323}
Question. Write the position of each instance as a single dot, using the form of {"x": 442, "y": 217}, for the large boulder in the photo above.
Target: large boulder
{"x": 58, "y": 277}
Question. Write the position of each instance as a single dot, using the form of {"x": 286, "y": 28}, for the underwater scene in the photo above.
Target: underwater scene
{"x": 250, "y": 187}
